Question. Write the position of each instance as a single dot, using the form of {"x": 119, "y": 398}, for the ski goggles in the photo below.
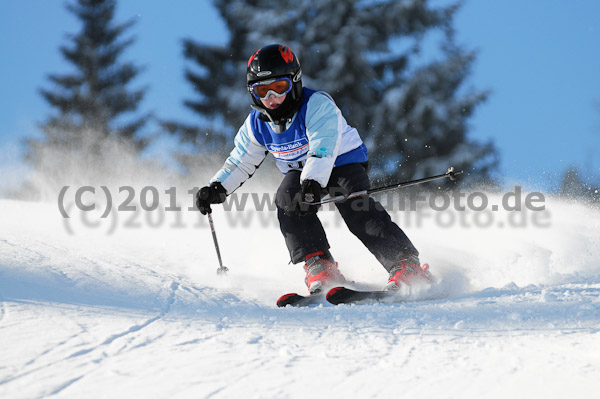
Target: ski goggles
{"x": 278, "y": 87}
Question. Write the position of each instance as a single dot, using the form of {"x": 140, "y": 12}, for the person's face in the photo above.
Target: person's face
{"x": 273, "y": 102}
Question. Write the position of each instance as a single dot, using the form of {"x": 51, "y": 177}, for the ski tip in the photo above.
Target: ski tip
{"x": 332, "y": 292}
{"x": 286, "y": 299}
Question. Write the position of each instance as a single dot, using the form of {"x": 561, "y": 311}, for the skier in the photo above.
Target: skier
{"x": 318, "y": 153}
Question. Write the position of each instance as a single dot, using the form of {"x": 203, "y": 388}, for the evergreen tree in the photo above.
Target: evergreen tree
{"x": 573, "y": 187}
{"x": 412, "y": 116}
{"x": 91, "y": 101}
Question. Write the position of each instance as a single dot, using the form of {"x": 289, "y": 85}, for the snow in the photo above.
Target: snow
{"x": 138, "y": 310}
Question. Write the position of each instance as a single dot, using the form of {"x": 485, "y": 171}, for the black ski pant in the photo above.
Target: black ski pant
{"x": 366, "y": 218}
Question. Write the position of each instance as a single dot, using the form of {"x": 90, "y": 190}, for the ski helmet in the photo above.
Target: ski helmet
{"x": 275, "y": 61}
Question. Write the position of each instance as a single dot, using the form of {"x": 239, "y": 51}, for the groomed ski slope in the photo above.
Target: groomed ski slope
{"x": 138, "y": 311}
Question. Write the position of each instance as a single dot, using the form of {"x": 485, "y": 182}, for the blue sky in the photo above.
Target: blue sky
{"x": 539, "y": 58}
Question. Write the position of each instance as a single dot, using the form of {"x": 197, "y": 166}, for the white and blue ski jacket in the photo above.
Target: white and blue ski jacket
{"x": 317, "y": 139}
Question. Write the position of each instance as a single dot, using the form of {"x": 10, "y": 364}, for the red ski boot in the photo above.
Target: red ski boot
{"x": 408, "y": 272}
{"x": 321, "y": 272}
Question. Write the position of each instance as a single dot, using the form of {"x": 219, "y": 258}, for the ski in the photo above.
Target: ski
{"x": 298, "y": 300}
{"x": 343, "y": 295}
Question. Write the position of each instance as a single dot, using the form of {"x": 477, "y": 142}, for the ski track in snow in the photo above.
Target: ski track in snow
{"x": 143, "y": 314}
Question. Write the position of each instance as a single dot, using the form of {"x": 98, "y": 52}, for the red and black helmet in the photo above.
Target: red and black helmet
{"x": 274, "y": 61}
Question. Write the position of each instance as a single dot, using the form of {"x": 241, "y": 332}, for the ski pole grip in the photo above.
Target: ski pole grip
{"x": 204, "y": 193}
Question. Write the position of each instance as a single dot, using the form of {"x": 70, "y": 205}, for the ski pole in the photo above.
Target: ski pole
{"x": 450, "y": 174}
{"x": 204, "y": 194}
{"x": 222, "y": 270}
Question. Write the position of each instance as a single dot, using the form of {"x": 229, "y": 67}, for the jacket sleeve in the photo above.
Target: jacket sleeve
{"x": 244, "y": 159}
{"x": 324, "y": 130}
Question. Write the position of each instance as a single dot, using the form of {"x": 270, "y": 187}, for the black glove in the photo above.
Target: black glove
{"x": 213, "y": 194}
{"x": 311, "y": 193}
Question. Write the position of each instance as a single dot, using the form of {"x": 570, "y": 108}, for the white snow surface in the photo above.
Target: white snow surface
{"x": 138, "y": 311}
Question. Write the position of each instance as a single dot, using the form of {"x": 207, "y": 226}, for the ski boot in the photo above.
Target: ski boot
{"x": 408, "y": 272}
{"x": 321, "y": 272}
